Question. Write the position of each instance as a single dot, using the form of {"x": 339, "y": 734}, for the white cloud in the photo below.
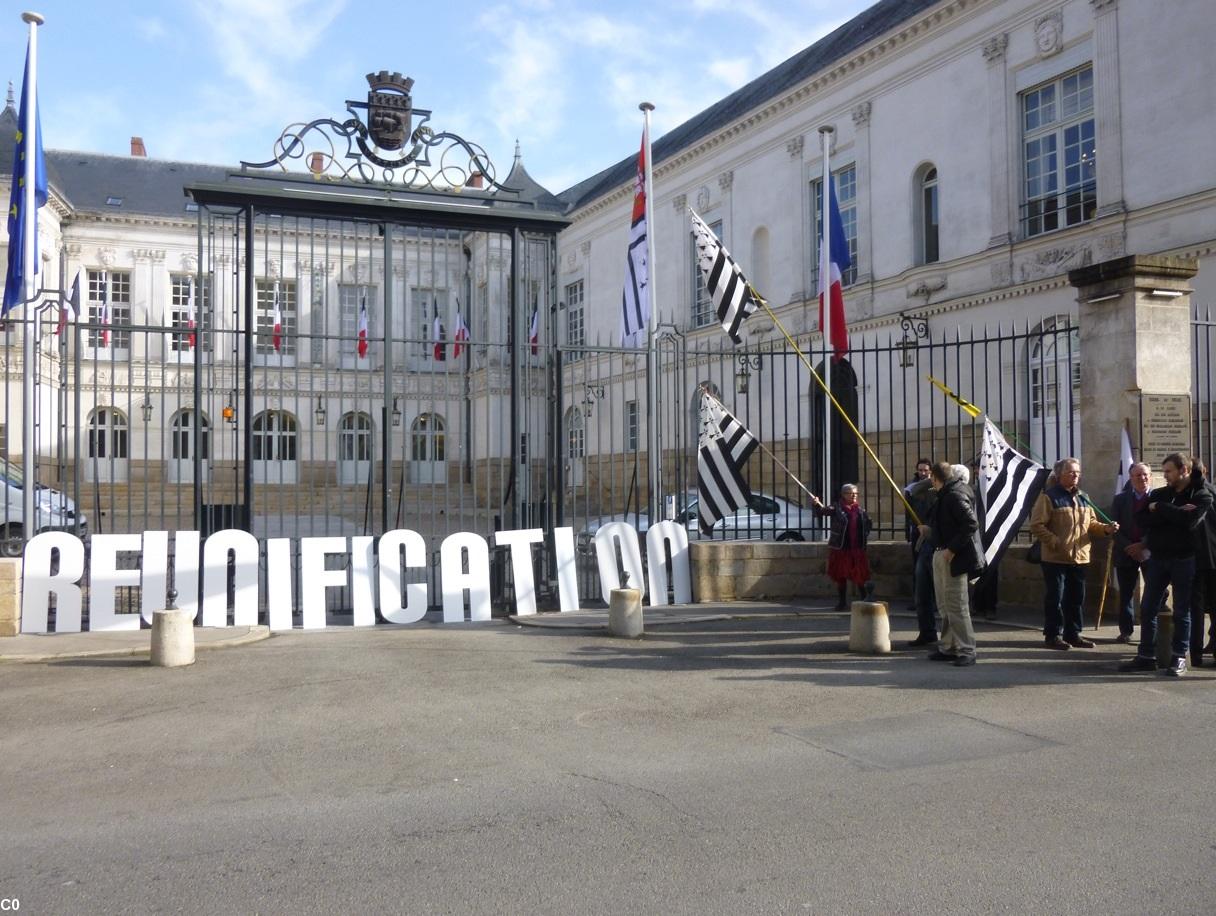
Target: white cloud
{"x": 151, "y": 30}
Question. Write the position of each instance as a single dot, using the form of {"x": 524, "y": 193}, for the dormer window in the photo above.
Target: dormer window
{"x": 112, "y": 201}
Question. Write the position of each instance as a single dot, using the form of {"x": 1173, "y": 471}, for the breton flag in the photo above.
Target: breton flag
{"x": 733, "y": 296}
{"x": 462, "y": 333}
{"x": 70, "y": 307}
{"x": 1125, "y": 463}
{"x": 440, "y": 350}
{"x": 635, "y": 300}
{"x": 534, "y": 330}
{"x": 725, "y": 446}
{"x": 190, "y": 311}
{"x": 277, "y": 334}
{"x": 361, "y": 346}
{"x": 14, "y": 283}
{"x": 104, "y": 293}
{"x": 830, "y": 283}
{"x": 1009, "y": 484}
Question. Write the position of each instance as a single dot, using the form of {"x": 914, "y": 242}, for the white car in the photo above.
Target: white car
{"x": 55, "y": 511}
{"x": 765, "y": 518}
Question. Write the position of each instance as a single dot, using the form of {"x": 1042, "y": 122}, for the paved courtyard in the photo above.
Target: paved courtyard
{"x": 724, "y": 766}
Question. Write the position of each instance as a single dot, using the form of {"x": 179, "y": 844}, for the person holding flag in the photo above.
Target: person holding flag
{"x": 850, "y": 529}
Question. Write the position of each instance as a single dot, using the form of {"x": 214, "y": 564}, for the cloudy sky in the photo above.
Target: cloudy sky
{"x": 217, "y": 80}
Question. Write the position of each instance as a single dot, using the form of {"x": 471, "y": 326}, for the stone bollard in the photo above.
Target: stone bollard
{"x": 172, "y": 639}
{"x": 1165, "y": 638}
{"x": 625, "y": 613}
{"x": 869, "y": 628}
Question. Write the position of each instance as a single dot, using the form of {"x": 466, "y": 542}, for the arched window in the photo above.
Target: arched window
{"x": 927, "y": 214}
{"x": 107, "y": 445}
{"x": 274, "y": 447}
{"x": 182, "y": 441}
{"x": 428, "y": 446}
{"x": 1054, "y": 357}
{"x": 355, "y": 437}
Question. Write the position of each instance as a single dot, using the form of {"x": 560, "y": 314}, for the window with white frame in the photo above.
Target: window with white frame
{"x": 355, "y": 437}
{"x": 179, "y": 311}
{"x": 112, "y": 324}
{"x": 1059, "y": 187}
{"x": 927, "y": 216}
{"x": 576, "y": 434}
{"x": 846, "y": 199}
{"x": 631, "y": 426}
{"x": 350, "y": 297}
{"x": 575, "y": 329}
{"x": 428, "y": 438}
{"x": 427, "y": 303}
{"x": 703, "y": 313}
{"x": 107, "y": 434}
{"x": 182, "y": 435}
{"x": 1055, "y": 368}
{"x": 274, "y": 436}
{"x": 265, "y": 317}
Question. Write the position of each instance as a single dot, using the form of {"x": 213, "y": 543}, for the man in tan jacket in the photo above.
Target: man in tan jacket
{"x": 1064, "y": 522}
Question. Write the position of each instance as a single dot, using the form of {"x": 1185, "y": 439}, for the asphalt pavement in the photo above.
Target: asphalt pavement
{"x": 739, "y": 763}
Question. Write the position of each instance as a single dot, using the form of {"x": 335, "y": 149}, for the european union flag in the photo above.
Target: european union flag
{"x": 14, "y": 283}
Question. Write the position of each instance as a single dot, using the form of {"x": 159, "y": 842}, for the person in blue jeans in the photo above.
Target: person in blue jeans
{"x": 1169, "y": 520}
{"x": 1130, "y": 550}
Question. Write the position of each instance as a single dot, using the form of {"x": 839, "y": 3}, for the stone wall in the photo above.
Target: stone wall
{"x": 761, "y": 570}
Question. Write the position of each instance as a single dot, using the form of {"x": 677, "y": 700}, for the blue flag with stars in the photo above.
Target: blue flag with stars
{"x": 14, "y": 283}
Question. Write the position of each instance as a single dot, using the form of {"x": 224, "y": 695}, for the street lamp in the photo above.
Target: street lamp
{"x": 146, "y": 408}
{"x": 319, "y": 413}
{"x": 396, "y": 411}
{"x": 744, "y": 375}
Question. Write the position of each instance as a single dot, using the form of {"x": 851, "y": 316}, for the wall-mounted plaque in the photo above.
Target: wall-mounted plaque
{"x": 1165, "y": 426}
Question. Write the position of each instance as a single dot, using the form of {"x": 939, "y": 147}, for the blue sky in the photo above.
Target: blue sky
{"x": 217, "y": 80}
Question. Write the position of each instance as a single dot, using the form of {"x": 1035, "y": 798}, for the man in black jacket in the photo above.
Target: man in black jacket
{"x": 1203, "y": 598}
{"x": 1130, "y": 552}
{"x": 1169, "y": 520}
{"x": 955, "y": 530}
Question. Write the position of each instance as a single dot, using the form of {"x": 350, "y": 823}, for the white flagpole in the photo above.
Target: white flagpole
{"x": 30, "y": 257}
{"x": 652, "y": 363}
{"x": 825, "y": 285}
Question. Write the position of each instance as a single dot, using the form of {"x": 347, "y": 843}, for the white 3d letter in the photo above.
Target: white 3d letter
{"x": 657, "y": 539}
{"x": 244, "y": 547}
{"x": 567, "y": 571}
{"x": 520, "y": 544}
{"x": 106, "y": 577}
{"x": 606, "y": 540}
{"x": 391, "y": 574}
{"x": 315, "y": 578}
{"x": 456, "y": 580}
{"x": 38, "y": 584}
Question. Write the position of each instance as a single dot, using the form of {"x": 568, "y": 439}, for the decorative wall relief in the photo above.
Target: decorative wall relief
{"x": 1049, "y": 34}
{"x": 1052, "y": 262}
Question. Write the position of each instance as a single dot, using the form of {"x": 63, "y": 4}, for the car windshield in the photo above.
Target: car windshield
{"x": 11, "y": 473}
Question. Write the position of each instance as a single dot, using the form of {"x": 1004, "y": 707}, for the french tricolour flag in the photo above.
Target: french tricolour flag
{"x": 534, "y": 330}
{"x": 830, "y": 275}
{"x": 361, "y": 346}
{"x": 277, "y": 335}
{"x": 461, "y": 335}
{"x": 104, "y": 292}
{"x": 190, "y": 312}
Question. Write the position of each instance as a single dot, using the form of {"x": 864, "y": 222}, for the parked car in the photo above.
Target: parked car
{"x": 765, "y": 518}
{"x": 55, "y": 511}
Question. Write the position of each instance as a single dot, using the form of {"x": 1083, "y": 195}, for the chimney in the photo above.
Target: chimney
{"x": 137, "y": 148}
{"x": 476, "y": 180}
{"x": 316, "y": 164}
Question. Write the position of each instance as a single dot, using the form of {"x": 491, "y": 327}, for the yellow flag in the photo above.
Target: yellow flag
{"x": 966, "y": 406}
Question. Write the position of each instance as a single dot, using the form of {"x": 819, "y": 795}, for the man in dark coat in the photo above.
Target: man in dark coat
{"x": 1169, "y": 521}
{"x": 955, "y": 529}
{"x": 1130, "y": 551}
{"x": 1203, "y": 598}
{"x": 923, "y": 497}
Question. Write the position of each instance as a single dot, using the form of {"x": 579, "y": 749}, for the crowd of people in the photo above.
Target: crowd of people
{"x": 1167, "y": 536}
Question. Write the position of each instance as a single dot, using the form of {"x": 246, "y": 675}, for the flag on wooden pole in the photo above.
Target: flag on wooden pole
{"x": 732, "y": 295}
{"x": 1009, "y": 484}
{"x": 724, "y": 447}
{"x": 635, "y": 299}
{"x": 833, "y": 261}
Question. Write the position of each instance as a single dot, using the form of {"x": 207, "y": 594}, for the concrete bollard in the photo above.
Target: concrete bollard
{"x": 869, "y": 628}
{"x": 625, "y": 613}
{"x": 172, "y": 639}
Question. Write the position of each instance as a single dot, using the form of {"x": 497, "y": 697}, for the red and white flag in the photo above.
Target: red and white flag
{"x": 461, "y": 335}
{"x": 277, "y": 333}
{"x": 70, "y": 307}
{"x": 534, "y": 330}
{"x": 635, "y": 299}
{"x": 830, "y": 274}
{"x": 105, "y": 309}
{"x": 190, "y": 311}
{"x": 361, "y": 346}
{"x": 438, "y": 337}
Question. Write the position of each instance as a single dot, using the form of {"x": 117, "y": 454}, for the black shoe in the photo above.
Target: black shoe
{"x": 964, "y": 661}
{"x": 937, "y": 655}
{"x": 1056, "y": 642}
{"x": 1124, "y": 638}
{"x": 1080, "y": 642}
{"x": 1177, "y": 668}
{"x": 922, "y": 640}
{"x": 1139, "y": 663}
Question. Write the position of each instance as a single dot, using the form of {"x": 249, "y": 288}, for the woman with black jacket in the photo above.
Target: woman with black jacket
{"x": 847, "y": 561}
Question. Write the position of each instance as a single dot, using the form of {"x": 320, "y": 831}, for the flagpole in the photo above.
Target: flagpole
{"x": 825, "y": 288}
{"x": 30, "y": 259}
{"x": 652, "y": 365}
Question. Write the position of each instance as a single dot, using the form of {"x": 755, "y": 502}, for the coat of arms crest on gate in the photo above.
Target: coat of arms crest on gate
{"x": 389, "y": 109}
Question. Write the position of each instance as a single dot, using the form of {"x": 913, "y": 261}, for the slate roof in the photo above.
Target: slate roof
{"x": 879, "y": 19}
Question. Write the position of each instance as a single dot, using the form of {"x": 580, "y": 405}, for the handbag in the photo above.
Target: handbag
{"x": 1035, "y": 553}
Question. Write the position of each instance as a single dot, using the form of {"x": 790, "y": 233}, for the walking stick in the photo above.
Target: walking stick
{"x": 1110, "y": 552}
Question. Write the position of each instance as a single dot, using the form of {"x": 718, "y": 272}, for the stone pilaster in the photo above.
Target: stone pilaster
{"x": 1107, "y": 109}
{"x": 865, "y": 234}
{"x": 998, "y": 140}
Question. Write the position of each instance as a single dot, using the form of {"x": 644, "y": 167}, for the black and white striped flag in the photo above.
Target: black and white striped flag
{"x": 635, "y": 299}
{"x": 732, "y": 294}
{"x": 1009, "y": 484}
{"x": 725, "y": 446}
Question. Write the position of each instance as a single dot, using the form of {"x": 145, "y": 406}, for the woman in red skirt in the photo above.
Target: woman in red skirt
{"x": 847, "y": 560}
